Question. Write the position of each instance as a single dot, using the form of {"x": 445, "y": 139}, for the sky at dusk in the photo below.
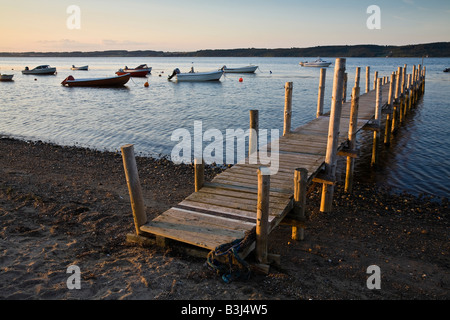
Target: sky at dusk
{"x": 189, "y": 25}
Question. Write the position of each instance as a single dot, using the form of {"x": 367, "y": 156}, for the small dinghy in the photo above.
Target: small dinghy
{"x": 6, "y": 77}
{"x": 80, "y": 68}
{"x": 98, "y": 82}
{"x": 247, "y": 69}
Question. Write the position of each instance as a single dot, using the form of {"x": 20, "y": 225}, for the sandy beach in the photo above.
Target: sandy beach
{"x": 63, "y": 206}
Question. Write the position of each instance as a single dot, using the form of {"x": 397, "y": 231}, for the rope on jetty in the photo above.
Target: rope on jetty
{"x": 236, "y": 267}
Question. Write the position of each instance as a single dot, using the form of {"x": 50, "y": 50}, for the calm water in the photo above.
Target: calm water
{"x": 39, "y": 108}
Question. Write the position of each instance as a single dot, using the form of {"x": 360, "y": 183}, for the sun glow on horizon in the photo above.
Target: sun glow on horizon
{"x": 177, "y": 25}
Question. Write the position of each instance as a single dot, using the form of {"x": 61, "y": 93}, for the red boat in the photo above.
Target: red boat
{"x": 139, "y": 71}
{"x": 99, "y": 82}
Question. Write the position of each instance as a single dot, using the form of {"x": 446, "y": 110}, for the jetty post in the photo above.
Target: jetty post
{"x": 321, "y": 94}
{"x": 199, "y": 173}
{"x": 287, "y": 108}
{"x": 396, "y": 100}
{"x": 367, "y": 79}
{"x": 388, "y": 125}
{"x": 134, "y": 186}
{"x": 376, "y": 133}
{"x": 357, "y": 76}
{"x": 300, "y": 190}
{"x": 344, "y": 91}
{"x": 253, "y": 134}
{"x": 375, "y": 77}
{"x": 333, "y": 135}
{"x": 352, "y": 139}
{"x": 262, "y": 215}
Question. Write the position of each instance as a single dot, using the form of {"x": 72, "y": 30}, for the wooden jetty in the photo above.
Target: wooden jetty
{"x": 248, "y": 197}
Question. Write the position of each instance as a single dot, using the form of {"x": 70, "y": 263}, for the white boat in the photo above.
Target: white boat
{"x": 247, "y": 69}
{"x": 44, "y": 69}
{"x": 80, "y": 68}
{"x": 6, "y": 77}
{"x": 318, "y": 63}
{"x": 196, "y": 76}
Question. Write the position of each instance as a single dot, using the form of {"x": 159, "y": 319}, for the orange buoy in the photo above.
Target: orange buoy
{"x": 146, "y": 84}
{"x": 240, "y": 79}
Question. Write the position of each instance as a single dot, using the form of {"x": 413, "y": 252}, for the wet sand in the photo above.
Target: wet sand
{"x": 63, "y": 206}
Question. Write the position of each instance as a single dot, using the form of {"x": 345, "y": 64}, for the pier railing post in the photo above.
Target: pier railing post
{"x": 376, "y": 133}
{"x": 402, "y": 104}
{"x": 300, "y": 186}
{"x": 357, "y": 76}
{"x": 199, "y": 173}
{"x": 375, "y": 78}
{"x": 344, "y": 90}
{"x": 253, "y": 134}
{"x": 352, "y": 139}
{"x": 134, "y": 187}
{"x": 262, "y": 215}
{"x": 413, "y": 83}
{"x": 321, "y": 94}
{"x": 396, "y": 100}
{"x": 367, "y": 79}
{"x": 287, "y": 108}
{"x": 333, "y": 135}
{"x": 388, "y": 125}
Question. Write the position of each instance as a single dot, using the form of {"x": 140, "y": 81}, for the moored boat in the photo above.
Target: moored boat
{"x": 117, "y": 81}
{"x": 6, "y": 77}
{"x": 80, "y": 68}
{"x": 140, "y": 71}
{"x": 196, "y": 76}
{"x": 318, "y": 63}
{"x": 40, "y": 70}
{"x": 247, "y": 69}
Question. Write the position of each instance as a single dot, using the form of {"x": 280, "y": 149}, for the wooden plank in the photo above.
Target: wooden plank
{"x": 236, "y": 203}
{"x": 192, "y": 228}
{"x": 243, "y": 195}
{"x": 245, "y": 189}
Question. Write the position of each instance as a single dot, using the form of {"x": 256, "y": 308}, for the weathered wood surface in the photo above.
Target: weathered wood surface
{"x": 226, "y": 208}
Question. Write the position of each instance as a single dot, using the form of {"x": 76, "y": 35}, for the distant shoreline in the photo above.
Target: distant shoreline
{"x": 432, "y": 50}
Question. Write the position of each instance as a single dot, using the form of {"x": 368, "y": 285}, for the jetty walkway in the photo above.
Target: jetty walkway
{"x": 249, "y": 198}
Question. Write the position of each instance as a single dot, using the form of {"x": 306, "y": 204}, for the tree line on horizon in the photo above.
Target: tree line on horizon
{"x": 437, "y": 49}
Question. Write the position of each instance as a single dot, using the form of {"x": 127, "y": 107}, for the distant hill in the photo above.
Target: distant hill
{"x": 437, "y": 49}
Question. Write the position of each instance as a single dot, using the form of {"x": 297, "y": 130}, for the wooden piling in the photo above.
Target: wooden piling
{"x": 413, "y": 84}
{"x": 388, "y": 125}
{"x": 333, "y": 135}
{"x": 199, "y": 173}
{"x": 352, "y": 139}
{"x": 134, "y": 187}
{"x": 253, "y": 134}
{"x": 321, "y": 94}
{"x": 262, "y": 214}
{"x": 375, "y": 78}
{"x": 287, "y": 108}
{"x": 396, "y": 100}
{"x": 376, "y": 133}
{"x": 357, "y": 76}
{"x": 423, "y": 79}
{"x": 367, "y": 79}
{"x": 300, "y": 189}
{"x": 344, "y": 90}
